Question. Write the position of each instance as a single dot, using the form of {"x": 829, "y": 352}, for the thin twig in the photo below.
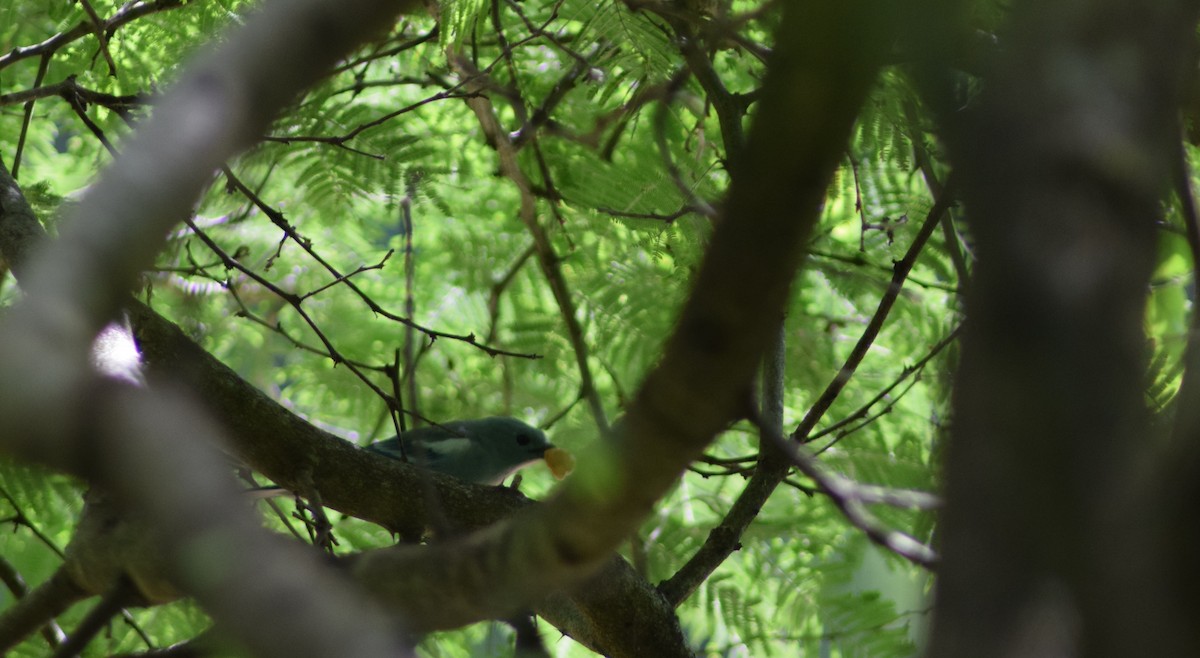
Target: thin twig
{"x": 101, "y": 40}
{"x": 724, "y": 538}
{"x": 851, "y": 498}
{"x": 899, "y": 275}
{"x": 20, "y": 518}
{"x": 484, "y": 111}
{"x": 127, "y": 13}
{"x": 907, "y": 372}
{"x": 290, "y": 233}
{"x": 693, "y": 200}
{"x": 43, "y": 66}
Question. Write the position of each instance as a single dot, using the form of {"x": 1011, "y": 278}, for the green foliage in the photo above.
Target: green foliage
{"x": 344, "y": 161}
{"x": 336, "y": 170}
{"x": 1167, "y": 313}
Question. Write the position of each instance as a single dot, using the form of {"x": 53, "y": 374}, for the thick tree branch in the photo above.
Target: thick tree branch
{"x": 616, "y": 612}
{"x": 130, "y": 440}
{"x": 1063, "y": 166}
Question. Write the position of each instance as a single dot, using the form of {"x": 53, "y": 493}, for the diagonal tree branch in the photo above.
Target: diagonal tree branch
{"x": 129, "y": 12}
{"x": 132, "y": 441}
{"x": 726, "y": 536}
{"x": 481, "y": 105}
{"x": 816, "y": 82}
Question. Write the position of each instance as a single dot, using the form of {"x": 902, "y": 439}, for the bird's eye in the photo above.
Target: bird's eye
{"x": 523, "y": 439}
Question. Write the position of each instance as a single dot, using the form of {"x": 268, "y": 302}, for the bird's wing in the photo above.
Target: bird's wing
{"x": 433, "y": 450}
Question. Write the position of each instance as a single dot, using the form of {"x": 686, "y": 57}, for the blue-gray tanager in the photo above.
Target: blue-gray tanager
{"x": 484, "y": 451}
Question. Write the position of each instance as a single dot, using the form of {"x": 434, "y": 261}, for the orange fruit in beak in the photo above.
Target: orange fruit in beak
{"x": 560, "y": 462}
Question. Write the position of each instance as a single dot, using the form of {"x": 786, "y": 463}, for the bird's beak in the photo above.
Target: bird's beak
{"x": 560, "y": 461}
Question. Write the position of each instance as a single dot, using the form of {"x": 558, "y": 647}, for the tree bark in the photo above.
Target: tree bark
{"x": 1049, "y": 532}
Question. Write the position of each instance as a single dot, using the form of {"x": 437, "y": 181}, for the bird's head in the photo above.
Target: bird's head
{"x": 516, "y": 444}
